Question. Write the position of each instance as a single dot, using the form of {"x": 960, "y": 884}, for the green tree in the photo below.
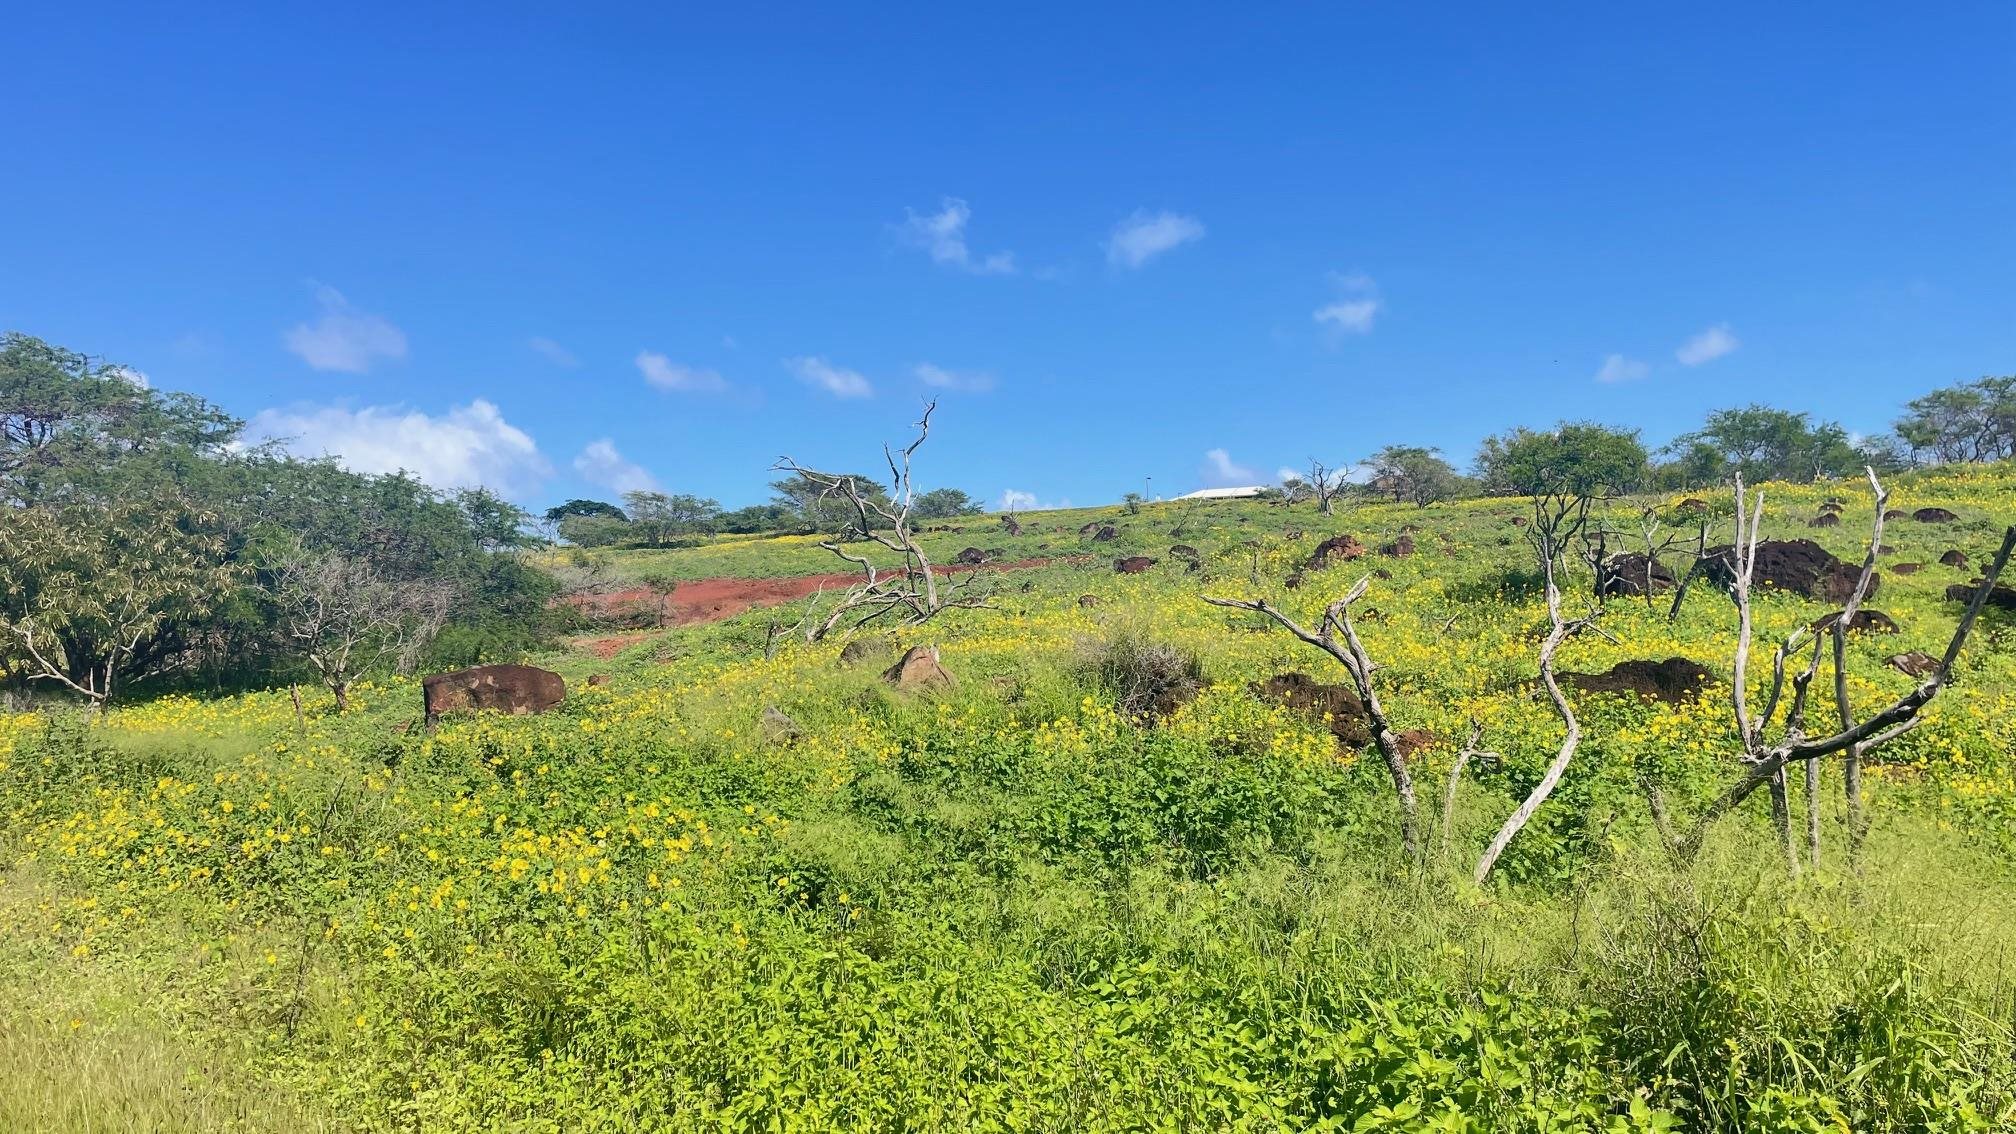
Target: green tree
{"x": 497, "y": 524}
{"x": 657, "y": 518}
{"x": 943, "y": 504}
{"x": 1763, "y": 443}
{"x": 1577, "y": 458}
{"x": 92, "y": 594}
{"x": 560, "y": 512}
{"x": 1414, "y": 474}
{"x": 814, "y": 507}
{"x": 1974, "y": 421}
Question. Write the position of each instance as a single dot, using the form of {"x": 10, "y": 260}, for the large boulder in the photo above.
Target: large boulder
{"x": 1797, "y": 565}
{"x": 2001, "y": 597}
{"x": 514, "y": 689}
{"x": 918, "y": 669}
{"x": 1337, "y": 704}
{"x": 1336, "y": 549}
{"x": 1933, "y": 516}
{"x": 970, "y": 557}
{"x": 1634, "y": 573}
{"x": 1674, "y": 680}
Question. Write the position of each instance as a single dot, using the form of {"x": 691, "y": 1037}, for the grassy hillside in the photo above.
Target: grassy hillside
{"x": 1009, "y": 906}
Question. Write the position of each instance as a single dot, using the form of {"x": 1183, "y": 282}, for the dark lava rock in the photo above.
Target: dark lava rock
{"x": 1933, "y": 516}
{"x": 1824, "y": 520}
{"x": 2001, "y": 597}
{"x": 1954, "y": 558}
{"x": 1087, "y": 602}
{"x": 1633, "y": 573}
{"x": 970, "y": 557}
{"x": 1133, "y": 564}
{"x": 1906, "y": 568}
{"x": 1864, "y": 622}
{"x": 1400, "y": 548}
{"x": 1672, "y": 681}
{"x": 1916, "y": 663}
{"x": 1298, "y": 691}
{"x": 1797, "y": 565}
{"x": 1336, "y": 549}
{"x": 1186, "y": 552}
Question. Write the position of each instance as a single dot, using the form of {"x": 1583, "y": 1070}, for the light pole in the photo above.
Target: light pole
{"x": 1147, "y": 488}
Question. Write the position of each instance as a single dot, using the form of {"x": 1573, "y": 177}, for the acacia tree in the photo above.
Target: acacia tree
{"x": 1413, "y": 473}
{"x": 348, "y": 618}
{"x": 1975, "y": 421}
{"x": 911, "y": 591}
{"x": 87, "y": 590}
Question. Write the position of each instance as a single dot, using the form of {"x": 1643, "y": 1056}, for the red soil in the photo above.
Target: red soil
{"x": 711, "y": 600}
{"x": 610, "y": 647}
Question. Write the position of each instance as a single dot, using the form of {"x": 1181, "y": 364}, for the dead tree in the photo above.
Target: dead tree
{"x": 1350, "y": 653}
{"x": 910, "y": 591}
{"x": 1764, "y": 760}
{"x": 1470, "y": 752}
{"x": 348, "y": 618}
{"x": 1325, "y": 484}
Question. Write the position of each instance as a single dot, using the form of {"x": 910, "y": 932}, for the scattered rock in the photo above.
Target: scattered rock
{"x": 1293, "y": 580}
{"x": 1011, "y": 525}
{"x": 1087, "y": 602}
{"x": 1634, "y": 573}
{"x": 1413, "y": 741}
{"x": 1906, "y": 568}
{"x": 1885, "y": 549}
{"x": 1336, "y": 549}
{"x": 1691, "y": 505}
{"x": 1797, "y": 565}
{"x": 1954, "y": 558}
{"x": 1933, "y": 516}
{"x": 1345, "y": 712}
{"x": 1400, "y": 548}
{"x": 855, "y": 651}
{"x": 777, "y": 727}
{"x": 2001, "y": 597}
{"x": 917, "y": 669}
{"x": 1104, "y": 533}
{"x": 1831, "y": 508}
{"x": 1518, "y": 521}
{"x": 1673, "y": 681}
{"x": 514, "y": 689}
{"x": 970, "y": 557}
{"x": 1864, "y": 622}
{"x": 1133, "y": 564}
{"x": 1895, "y": 514}
{"x": 1292, "y": 533}
{"x": 598, "y": 679}
{"x": 1186, "y": 553}
{"x": 1382, "y": 574}
{"x": 1915, "y": 663}
{"x": 1824, "y": 520}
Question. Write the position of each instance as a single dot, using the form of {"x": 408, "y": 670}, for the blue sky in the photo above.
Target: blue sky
{"x": 567, "y": 250}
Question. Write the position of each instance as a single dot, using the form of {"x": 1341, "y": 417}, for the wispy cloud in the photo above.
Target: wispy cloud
{"x": 467, "y": 446}
{"x": 553, "y": 352}
{"x": 1143, "y": 236}
{"x": 1220, "y": 471}
{"x": 1617, "y": 368}
{"x": 1016, "y": 500}
{"x": 836, "y": 380}
{"x": 972, "y": 381}
{"x": 1708, "y": 346}
{"x": 136, "y": 378}
{"x": 666, "y": 374}
{"x": 601, "y": 464}
{"x": 942, "y": 235}
{"x": 1354, "y": 310}
{"x": 343, "y": 338}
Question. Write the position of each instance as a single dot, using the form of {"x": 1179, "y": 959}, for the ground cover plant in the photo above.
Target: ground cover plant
{"x": 1038, "y": 900}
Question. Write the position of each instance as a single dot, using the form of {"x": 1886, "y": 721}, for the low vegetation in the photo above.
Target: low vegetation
{"x": 1102, "y": 880}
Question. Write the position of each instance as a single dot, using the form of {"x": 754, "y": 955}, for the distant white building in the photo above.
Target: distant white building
{"x": 1246, "y": 493}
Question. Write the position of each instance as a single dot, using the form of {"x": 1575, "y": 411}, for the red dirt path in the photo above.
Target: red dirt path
{"x": 711, "y": 600}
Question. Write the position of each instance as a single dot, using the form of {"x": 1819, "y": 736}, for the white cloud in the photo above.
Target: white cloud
{"x": 1016, "y": 500}
{"x": 601, "y": 464}
{"x": 136, "y": 378}
{"x": 835, "y": 380}
{"x": 1617, "y": 368}
{"x": 467, "y": 446}
{"x": 1355, "y": 308}
{"x": 973, "y": 381}
{"x": 344, "y": 338}
{"x": 943, "y": 236}
{"x": 666, "y": 374}
{"x": 1144, "y": 236}
{"x": 1220, "y": 471}
{"x": 1708, "y": 346}
{"x": 553, "y": 352}
{"x": 1284, "y": 474}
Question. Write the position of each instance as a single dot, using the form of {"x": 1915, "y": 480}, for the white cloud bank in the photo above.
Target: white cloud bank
{"x": 666, "y": 374}
{"x": 344, "y": 339}
{"x": 1221, "y": 471}
{"x": 1617, "y": 368}
{"x": 467, "y": 446}
{"x": 835, "y": 380}
{"x": 553, "y": 352}
{"x": 942, "y": 235}
{"x": 971, "y": 381}
{"x": 1354, "y": 310}
{"x": 601, "y": 464}
{"x": 1708, "y": 346}
{"x": 1144, "y": 235}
